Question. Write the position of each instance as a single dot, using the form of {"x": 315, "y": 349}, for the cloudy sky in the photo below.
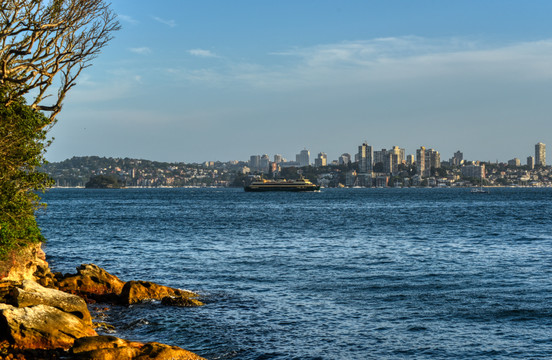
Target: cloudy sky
{"x": 221, "y": 80}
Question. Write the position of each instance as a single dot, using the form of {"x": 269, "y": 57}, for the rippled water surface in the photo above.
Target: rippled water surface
{"x": 339, "y": 274}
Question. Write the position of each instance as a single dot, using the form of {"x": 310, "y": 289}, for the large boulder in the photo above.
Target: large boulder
{"x": 113, "y": 348}
{"x": 29, "y": 293}
{"x": 22, "y": 263}
{"x": 6, "y": 287}
{"x": 137, "y": 291}
{"x": 41, "y": 327}
{"x": 92, "y": 282}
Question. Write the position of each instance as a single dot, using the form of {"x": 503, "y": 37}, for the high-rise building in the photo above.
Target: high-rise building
{"x": 277, "y": 158}
{"x": 540, "y": 154}
{"x": 303, "y": 158}
{"x": 345, "y": 159}
{"x": 264, "y": 163}
{"x": 255, "y": 162}
{"x": 379, "y": 156}
{"x": 397, "y": 158}
{"x": 365, "y": 158}
{"x": 474, "y": 171}
{"x": 321, "y": 160}
{"x": 434, "y": 159}
{"x": 531, "y": 162}
{"x": 410, "y": 160}
{"x": 514, "y": 162}
{"x": 420, "y": 160}
{"x": 390, "y": 159}
{"x": 457, "y": 159}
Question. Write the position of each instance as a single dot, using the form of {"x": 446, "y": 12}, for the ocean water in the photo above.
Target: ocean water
{"x": 337, "y": 274}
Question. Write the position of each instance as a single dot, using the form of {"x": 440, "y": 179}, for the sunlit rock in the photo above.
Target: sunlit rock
{"x": 138, "y": 291}
{"x": 29, "y": 293}
{"x": 41, "y": 327}
{"x": 92, "y": 282}
{"x": 113, "y": 348}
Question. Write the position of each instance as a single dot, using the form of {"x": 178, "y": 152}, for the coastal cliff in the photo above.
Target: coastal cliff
{"x": 44, "y": 315}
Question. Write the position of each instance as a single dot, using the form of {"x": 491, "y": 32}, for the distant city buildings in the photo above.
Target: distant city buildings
{"x": 389, "y": 160}
{"x": 393, "y": 167}
{"x": 531, "y": 162}
{"x": 540, "y": 154}
{"x": 457, "y": 159}
{"x": 473, "y": 171}
{"x": 383, "y": 168}
{"x": 303, "y": 158}
{"x": 420, "y": 161}
{"x": 350, "y": 178}
{"x": 321, "y": 160}
{"x": 365, "y": 158}
{"x": 264, "y": 164}
{"x": 433, "y": 159}
{"x": 255, "y": 162}
{"x": 344, "y": 159}
{"x": 514, "y": 162}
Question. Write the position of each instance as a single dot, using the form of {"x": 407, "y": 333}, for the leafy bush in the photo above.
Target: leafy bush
{"x": 22, "y": 146}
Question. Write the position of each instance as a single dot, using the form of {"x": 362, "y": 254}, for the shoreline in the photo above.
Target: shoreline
{"x": 357, "y": 187}
{"x": 47, "y": 315}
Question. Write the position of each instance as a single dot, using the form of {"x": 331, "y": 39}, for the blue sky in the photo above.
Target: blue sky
{"x": 221, "y": 80}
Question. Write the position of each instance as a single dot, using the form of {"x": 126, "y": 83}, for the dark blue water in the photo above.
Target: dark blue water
{"x": 339, "y": 274}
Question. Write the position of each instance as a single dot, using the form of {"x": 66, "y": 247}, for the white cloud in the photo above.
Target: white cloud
{"x": 170, "y": 23}
{"x": 202, "y": 53}
{"x": 395, "y": 60}
{"x": 127, "y": 19}
{"x": 383, "y": 63}
{"x": 141, "y": 50}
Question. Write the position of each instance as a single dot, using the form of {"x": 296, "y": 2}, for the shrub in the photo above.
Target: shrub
{"x": 22, "y": 146}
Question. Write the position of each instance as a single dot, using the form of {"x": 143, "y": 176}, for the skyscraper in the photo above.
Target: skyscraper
{"x": 255, "y": 162}
{"x": 531, "y": 162}
{"x": 365, "y": 158}
{"x": 434, "y": 159}
{"x": 540, "y": 154}
{"x": 398, "y": 157}
{"x": 321, "y": 160}
{"x": 420, "y": 160}
{"x": 264, "y": 163}
{"x": 303, "y": 158}
{"x": 344, "y": 159}
{"x": 457, "y": 159}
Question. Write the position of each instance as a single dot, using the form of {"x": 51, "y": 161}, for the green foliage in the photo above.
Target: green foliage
{"x": 103, "y": 182}
{"x": 22, "y": 146}
{"x": 440, "y": 172}
{"x": 239, "y": 180}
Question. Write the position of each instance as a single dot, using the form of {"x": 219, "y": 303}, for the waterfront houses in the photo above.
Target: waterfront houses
{"x": 370, "y": 168}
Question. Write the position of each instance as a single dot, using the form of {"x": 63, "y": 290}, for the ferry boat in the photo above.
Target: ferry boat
{"x": 301, "y": 184}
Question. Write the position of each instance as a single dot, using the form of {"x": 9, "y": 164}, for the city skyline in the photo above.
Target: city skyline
{"x": 538, "y": 156}
{"x": 190, "y": 81}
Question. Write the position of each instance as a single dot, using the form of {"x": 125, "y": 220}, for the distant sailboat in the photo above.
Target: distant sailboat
{"x": 480, "y": 190}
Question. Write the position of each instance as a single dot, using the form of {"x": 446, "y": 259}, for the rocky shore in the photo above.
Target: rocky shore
{"x": 45, "y": 315}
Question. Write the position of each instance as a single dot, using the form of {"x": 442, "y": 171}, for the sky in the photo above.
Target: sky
{"x": 218, "y": 80}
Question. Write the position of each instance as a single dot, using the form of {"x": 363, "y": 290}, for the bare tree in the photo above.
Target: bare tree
{"x": 45, "y": 45}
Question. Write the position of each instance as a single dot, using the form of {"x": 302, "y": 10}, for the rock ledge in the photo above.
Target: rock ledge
{"x": 45, "y": 316}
